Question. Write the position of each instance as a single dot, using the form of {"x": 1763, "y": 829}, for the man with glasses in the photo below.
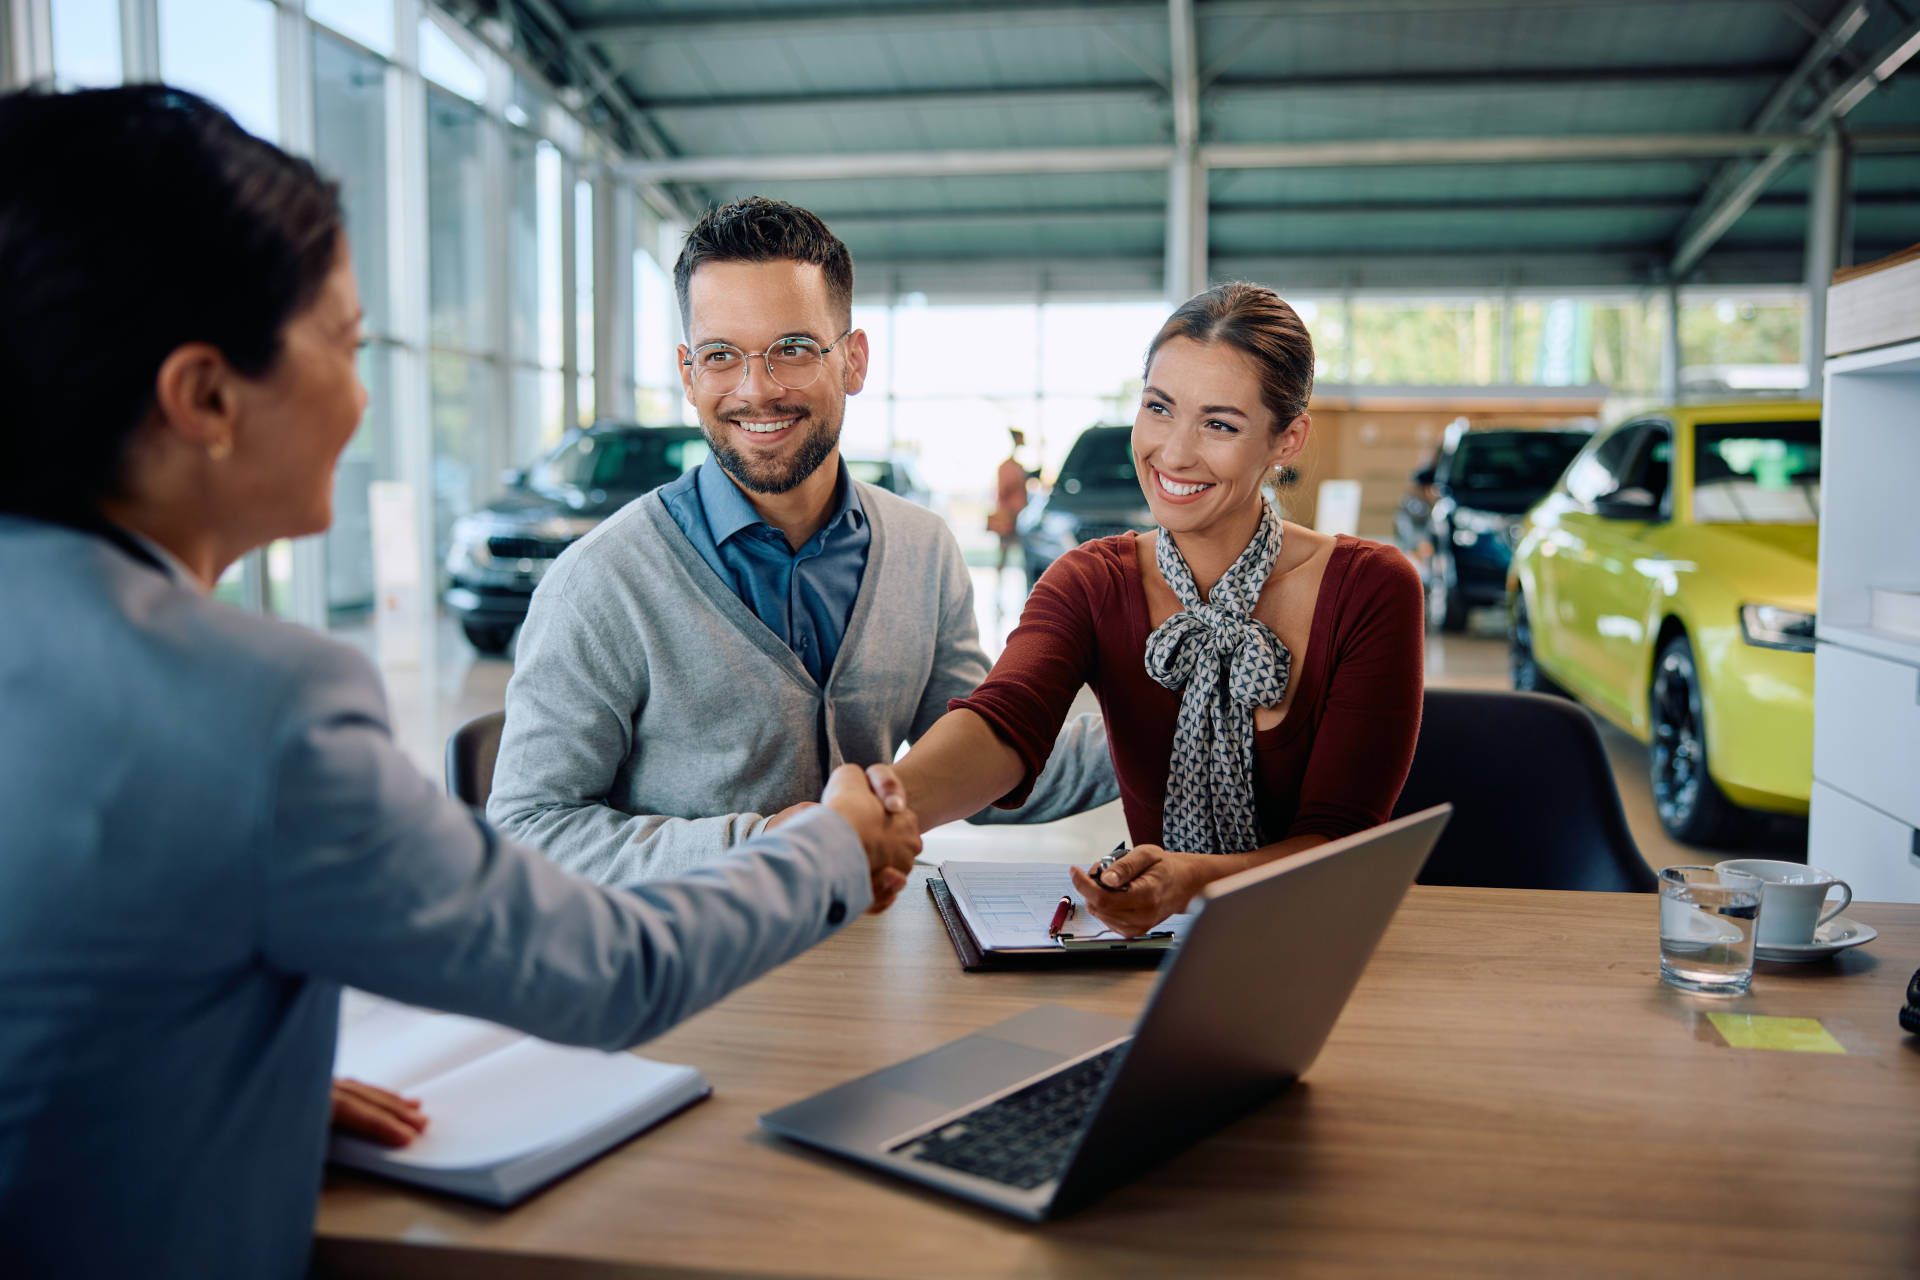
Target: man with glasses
{"x": 691, "y": 671}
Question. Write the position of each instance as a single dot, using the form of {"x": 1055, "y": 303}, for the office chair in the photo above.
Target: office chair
{"x": 470, "y": 755}
{"x": 1534, "y": 803}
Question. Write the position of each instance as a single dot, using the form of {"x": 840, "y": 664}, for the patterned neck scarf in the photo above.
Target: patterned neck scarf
{"x": 1228, "y": 664}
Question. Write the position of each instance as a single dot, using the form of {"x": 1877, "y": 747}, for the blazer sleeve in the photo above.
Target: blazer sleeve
{"x": 369, "y": 876}
{"x": 1364, "y": 745}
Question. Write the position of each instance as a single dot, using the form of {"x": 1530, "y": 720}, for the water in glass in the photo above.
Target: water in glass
{"x": 1708, "y": 919}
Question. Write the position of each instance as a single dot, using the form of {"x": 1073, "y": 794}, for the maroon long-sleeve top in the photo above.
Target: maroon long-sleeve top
{"x": 1333, "y": 766}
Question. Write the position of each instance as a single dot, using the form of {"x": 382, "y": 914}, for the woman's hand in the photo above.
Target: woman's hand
{"x": 368, "y": 1111}
{"x": 1157, "y": 884}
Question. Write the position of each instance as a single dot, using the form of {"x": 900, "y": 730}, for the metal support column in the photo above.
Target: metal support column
{"x": 569, "y": 299}
{"x": 293, "y": 52}
{"x": 139, "y": 40}
{"x": 1824, "y": 203}
{"x": 1504, "y": 374}
{"x": 408, "y": 286}
{"x": 1670, "y": 347}
{"x": 1186, "y": 251}
{"x": 613, "y": 302}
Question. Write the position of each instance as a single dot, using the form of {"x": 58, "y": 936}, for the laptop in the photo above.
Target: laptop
{"x": 1040, "y": 1113}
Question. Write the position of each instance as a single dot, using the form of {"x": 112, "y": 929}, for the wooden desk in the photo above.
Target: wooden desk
{"x": 1511, "y": 1088}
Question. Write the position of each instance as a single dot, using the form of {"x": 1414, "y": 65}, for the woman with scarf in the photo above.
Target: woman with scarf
{"x": 1261, "y": 681}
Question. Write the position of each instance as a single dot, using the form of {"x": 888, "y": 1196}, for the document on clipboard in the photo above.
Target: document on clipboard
{"x": 998, "y": 915}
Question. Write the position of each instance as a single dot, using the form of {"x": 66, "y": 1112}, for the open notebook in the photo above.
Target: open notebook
{"x": 506, "y": 1113}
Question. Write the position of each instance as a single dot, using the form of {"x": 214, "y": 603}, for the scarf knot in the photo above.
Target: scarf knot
{"x": 1227, "y": 663}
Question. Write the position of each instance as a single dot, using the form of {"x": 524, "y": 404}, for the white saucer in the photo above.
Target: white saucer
{"x": 1834, "y": 936}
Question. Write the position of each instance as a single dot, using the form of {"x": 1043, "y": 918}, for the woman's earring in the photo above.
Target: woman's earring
{"x": 220, "y": 449}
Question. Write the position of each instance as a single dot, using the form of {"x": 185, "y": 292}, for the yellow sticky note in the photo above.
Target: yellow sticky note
{"x": 1754, "y": 1031}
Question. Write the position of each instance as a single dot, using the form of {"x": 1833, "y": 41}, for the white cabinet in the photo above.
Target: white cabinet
{"x": 1866, "y": 697}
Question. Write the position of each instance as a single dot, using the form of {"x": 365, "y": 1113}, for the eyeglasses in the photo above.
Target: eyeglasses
{"x": 794, "y": 363}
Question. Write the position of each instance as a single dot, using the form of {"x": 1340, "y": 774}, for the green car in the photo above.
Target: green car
{"x": 1667, "y": 582}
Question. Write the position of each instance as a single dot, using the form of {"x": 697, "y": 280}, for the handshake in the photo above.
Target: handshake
{"x": 875, "y": 803}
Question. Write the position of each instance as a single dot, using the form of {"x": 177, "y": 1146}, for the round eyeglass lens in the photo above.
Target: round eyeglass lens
{"x": 793, "y": 364}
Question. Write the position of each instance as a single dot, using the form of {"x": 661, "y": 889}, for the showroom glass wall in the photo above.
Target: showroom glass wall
{"x": 949, "y": 374}
{"x": 471, "y": 201}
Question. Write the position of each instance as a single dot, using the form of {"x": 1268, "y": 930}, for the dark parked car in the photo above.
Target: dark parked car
{"x": 498, "y": 554}
{"x": 1095, "y": 495}
{"x": 1478, "y": 486}
{"x": 895, "y": 474}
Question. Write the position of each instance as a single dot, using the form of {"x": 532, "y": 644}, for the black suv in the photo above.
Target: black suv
{"x": 1458, "y": 520}
{"x": 1097, "y": 494}
{"x": 498, "y": 553}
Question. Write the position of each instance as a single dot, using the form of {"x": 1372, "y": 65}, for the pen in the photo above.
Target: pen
{"x": 1119, "y": 852}
{"x": 1060, "y": 915}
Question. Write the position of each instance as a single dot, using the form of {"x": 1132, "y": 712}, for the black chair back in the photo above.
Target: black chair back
{"x": 470, "y": 755}
{"x": 1534, "y": 803}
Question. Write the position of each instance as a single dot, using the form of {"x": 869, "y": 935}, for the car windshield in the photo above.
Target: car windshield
{"x": 622, "y": 460}
{"x": 1490, "y": 461}
{"x": 1756, "y": 472}
{"x": 1101, "y": 459}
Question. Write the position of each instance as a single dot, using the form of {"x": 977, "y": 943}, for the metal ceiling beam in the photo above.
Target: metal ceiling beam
{"x": 1287, "y": 155}
{"x": 1730, "y": 196}
{"x": 721, "y": 24}
{"x": 1516, "y": 150}
{"x": 1109, "y": 214}
{"x": 1135, "y": 93}
{"x": 1363, "y": 273}
{"x": 603, "y": 84}
{"x": 902, "y": 164}
{"x": 1185, "y": 272}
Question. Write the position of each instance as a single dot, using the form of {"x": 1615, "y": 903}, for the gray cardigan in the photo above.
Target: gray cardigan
{"x": 653, "y": 721}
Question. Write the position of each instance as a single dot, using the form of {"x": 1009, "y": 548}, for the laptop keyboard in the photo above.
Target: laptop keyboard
{"x": 1021, "y": 1140}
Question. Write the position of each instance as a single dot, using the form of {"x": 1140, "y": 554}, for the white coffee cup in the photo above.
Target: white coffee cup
{"x": 1791, "y": 897}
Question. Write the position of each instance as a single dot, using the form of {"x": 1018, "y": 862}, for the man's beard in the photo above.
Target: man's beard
{"x": 775, "y": 475}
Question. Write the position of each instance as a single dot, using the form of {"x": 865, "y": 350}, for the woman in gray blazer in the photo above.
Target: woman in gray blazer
{"x": 207, "y": 827}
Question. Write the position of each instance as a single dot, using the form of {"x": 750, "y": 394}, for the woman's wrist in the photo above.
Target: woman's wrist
{"x": 1196, "y": 872}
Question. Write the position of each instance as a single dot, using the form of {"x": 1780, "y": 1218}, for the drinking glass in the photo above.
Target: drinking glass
{"x": 1708, "y": 919}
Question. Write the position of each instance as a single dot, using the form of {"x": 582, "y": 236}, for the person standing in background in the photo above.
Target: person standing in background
{"x": 1009, "y": 497}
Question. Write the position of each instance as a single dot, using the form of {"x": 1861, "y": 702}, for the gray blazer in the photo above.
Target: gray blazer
{"x": 207, "y": 830}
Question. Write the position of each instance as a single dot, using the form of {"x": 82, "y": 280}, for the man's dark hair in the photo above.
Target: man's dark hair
{"x": 135, "y": 220}
{"x": 756, "y": 229}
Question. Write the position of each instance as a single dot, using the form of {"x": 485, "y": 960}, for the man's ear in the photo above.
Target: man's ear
{"x": 855, "y": 345}
{"x": 681, "y": 356}
{"x": 195, "y": 398}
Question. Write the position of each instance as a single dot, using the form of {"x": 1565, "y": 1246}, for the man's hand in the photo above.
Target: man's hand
{"x": 368, "y": 1111}
{"x": 1158, "y": 884}
{"x": 791, "y": 811}
{"x": 875, "y": 803}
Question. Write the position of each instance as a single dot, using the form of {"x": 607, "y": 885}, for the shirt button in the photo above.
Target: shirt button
{"x": 837, "y": 912}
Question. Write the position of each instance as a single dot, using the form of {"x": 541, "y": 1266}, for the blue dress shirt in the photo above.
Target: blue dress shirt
{"x": 805, "y": 597}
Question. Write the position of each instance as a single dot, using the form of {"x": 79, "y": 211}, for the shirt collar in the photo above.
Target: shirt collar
{"x": 728, "y": 511}
{"x": 169, "y": 562}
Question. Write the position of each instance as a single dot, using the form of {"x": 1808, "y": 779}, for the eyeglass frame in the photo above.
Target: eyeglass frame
{"x": 766, "y": 358}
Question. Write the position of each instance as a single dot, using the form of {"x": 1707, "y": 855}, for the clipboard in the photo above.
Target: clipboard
{"x": 1127, "y": 953}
